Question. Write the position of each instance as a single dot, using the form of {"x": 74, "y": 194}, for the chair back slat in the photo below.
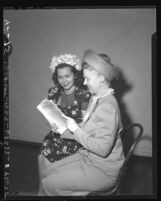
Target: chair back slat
{"x": 131, "y": 149}
{"x": 136, "y": 139}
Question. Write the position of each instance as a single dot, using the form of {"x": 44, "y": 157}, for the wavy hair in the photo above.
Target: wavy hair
{"x": 78, "y": 76}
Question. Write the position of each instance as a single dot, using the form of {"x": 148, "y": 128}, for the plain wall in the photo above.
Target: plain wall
{"x": 37, "y": 35}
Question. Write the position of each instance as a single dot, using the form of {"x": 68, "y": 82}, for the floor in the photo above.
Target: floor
{"x": 24, "y": 172}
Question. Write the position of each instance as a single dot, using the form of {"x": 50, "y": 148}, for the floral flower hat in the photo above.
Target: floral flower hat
{"x": 72, "y": 60}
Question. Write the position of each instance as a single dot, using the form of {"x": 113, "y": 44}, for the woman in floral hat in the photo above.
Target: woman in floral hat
{"x": 72, "y": 98}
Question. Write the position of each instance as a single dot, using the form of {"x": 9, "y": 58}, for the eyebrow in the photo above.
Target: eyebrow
{"x": 64, "y": 75}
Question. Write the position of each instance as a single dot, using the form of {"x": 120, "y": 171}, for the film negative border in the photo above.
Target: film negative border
{"x": 7, "y": 49}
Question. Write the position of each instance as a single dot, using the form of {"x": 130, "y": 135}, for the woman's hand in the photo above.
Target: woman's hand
{"x": 71, "y": 124}
{"x": 54, "y": 128}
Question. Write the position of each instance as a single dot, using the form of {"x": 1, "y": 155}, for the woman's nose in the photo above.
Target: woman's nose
{"x": 64, "y": 80}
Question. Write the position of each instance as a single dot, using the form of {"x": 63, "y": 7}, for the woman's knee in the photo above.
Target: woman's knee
{"x": 43, "y": 161}
{"x": 49, "y": 185}
{"x": 40, "y": 157}
{"x": 40, "y": 161}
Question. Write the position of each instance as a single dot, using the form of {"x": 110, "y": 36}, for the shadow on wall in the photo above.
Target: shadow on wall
{"x": 121, "y": 87}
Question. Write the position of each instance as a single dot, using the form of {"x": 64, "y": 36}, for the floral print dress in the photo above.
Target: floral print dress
{"x": 54, "y": 147}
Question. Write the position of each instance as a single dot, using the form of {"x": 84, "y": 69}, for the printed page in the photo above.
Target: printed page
{"x": 53, "y": 114}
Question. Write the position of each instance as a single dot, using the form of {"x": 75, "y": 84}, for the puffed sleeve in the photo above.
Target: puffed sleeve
{"x": 101, "y": 138}
{"x": 53, "y": 94}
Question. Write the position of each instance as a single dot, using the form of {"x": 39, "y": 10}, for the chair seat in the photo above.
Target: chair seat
{"x": 113, "y": 191}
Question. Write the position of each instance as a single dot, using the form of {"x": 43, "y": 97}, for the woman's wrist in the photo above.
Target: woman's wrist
{"x": 75, "y": 128}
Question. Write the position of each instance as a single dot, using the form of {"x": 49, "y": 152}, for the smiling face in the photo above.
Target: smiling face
{"x": 66, "y": 77}
{"x": 92, "y": 80}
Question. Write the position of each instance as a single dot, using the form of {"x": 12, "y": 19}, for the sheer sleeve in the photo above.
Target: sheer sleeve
{"x": 83, "y": 97}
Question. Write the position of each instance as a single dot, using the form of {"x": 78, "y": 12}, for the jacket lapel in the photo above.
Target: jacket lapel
{"x": 91, "y": 111}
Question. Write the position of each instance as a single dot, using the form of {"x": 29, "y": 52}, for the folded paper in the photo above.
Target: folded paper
{"x": 53, "y": 114}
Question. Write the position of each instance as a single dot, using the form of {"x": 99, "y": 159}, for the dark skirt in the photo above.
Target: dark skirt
{"x": 55, "y": 148}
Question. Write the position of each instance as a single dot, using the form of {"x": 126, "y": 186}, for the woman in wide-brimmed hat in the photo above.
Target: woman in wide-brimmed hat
{"x": 96, "y": 165}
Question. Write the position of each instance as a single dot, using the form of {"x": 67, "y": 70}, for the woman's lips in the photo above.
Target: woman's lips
{"x": 65, "y": 85}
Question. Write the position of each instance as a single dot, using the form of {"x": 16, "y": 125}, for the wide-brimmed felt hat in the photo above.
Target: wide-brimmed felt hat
{"x": 105, "y": 67}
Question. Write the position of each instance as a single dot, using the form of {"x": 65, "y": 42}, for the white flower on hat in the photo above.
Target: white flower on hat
{"x": 66, "y": 59}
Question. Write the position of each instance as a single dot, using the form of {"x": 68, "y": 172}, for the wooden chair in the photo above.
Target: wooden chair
{"x": 116, "y": 189}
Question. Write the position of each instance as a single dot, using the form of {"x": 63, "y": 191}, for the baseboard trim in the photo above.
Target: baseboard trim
{"x": 21, "y": 142}
{"x": 141, "y": 153}
{"x": 37, "y": 144}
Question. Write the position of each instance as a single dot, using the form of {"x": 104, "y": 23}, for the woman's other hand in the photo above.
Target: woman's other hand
{"x": 54, "y": 128}
{"x": 71, "y": 124}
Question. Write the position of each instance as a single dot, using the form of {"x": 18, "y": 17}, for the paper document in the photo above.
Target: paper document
{"x": 53, "y": 114}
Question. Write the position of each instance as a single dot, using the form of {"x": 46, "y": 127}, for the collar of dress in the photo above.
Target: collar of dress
{"x": 93, "y": 104}
{"x": 109, "y": 91}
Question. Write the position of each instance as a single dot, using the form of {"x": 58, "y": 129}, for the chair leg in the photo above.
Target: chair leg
{"x": 118, "y": 192}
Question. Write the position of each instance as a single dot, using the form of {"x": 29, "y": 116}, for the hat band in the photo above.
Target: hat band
{"x": 104, "y": 68}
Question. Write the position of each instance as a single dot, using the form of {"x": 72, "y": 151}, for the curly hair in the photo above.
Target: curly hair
{"x": 78, "y": 81}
